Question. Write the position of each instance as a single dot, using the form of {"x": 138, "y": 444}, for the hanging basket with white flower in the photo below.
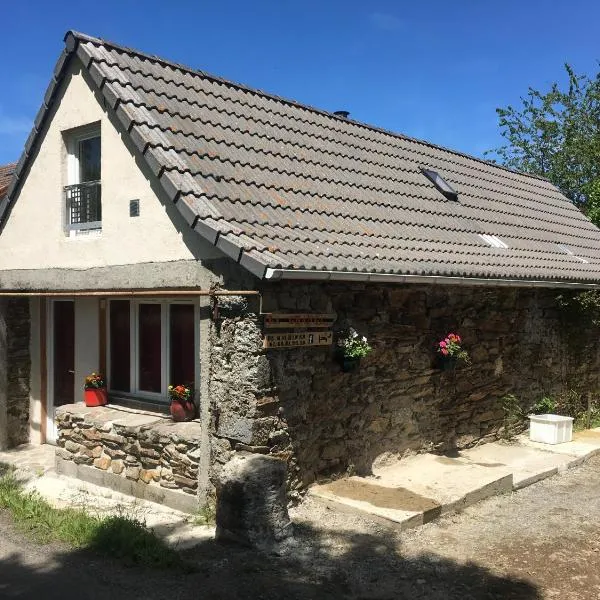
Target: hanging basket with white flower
{"x": 351, "y": 348}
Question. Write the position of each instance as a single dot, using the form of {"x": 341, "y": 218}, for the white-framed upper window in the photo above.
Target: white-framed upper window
{"x": 152, "y": 344}
{"x": 83, "y": 198}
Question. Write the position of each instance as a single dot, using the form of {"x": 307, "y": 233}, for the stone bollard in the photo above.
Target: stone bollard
{"x": 251, "y": 503}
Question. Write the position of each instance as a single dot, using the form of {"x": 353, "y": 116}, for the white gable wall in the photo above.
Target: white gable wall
{"x": 34, "y": 235}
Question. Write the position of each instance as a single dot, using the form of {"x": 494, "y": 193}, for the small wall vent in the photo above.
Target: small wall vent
{"x": 134, "y": 208}
{"x": 441, "y": 184}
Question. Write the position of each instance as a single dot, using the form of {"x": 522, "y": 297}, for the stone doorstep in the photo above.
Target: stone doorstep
{"x": 421, "y": 488}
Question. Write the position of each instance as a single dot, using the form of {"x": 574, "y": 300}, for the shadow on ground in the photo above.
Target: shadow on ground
{"x": 321, "y": 566}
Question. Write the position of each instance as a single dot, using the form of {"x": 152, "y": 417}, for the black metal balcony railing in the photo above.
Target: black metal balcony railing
{"x": 84, "y": 206}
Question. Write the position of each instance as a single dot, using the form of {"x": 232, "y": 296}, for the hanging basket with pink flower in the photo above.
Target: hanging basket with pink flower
{"x": 450, "y": 352}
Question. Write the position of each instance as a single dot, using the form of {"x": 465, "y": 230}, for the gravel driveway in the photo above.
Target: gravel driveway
{"x": 540, "y": 542}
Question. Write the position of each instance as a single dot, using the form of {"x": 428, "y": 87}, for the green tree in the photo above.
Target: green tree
{"x": 556, "y": 134}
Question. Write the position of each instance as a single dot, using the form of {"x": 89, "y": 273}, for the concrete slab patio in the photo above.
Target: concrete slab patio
{"x": 418, "y": 489}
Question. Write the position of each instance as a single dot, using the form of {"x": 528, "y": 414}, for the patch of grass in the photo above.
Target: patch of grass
{"x": 43, "y": 523}
{"x": 131, "y": 542}
{"x": 121, "y": 537}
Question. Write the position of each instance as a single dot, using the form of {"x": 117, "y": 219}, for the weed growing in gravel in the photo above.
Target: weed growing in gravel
{"x": 544, "y": 406}
{"x": 206, "y": 515}
{"x": 117, "y": 537}
{"x": 514, "y": 416}
{"x": 572, "y": 403}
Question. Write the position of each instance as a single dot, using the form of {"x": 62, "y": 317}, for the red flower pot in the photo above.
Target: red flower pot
{"x": 95, "y": 397}
{"x": 182, "y": 410}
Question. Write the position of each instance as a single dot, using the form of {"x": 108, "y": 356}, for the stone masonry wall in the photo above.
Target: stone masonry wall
{"x": 19, "y": 370}
{"x": 298, "y": 404}
{"x": 237, "y": 361}
{"x": 137, "y": 447}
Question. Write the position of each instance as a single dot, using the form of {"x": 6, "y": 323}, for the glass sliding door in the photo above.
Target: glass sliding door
{"x": 181, "y": 344}
{"x": 150, "y": 348}
{"x": 120, "y": 348}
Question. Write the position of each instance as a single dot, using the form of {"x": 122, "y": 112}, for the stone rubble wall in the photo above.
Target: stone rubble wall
{"x": 162, "y": 453}
{"x": 299, "y": 405}
{"x": 19, "y": 370}
{"x": 236, "y": 363}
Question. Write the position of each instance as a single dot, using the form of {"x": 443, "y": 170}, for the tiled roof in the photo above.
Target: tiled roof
{"x": 279, "y": 185}
{"x": 6, "y": 173}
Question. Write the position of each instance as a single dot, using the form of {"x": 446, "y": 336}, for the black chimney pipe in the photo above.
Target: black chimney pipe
{"x": 342, "y": 113}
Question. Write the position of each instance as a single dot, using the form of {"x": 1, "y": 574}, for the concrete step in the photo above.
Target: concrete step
{"x": 418, "y": 489}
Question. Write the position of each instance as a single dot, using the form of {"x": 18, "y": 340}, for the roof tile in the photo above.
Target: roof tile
{"x": 278, "y": 184}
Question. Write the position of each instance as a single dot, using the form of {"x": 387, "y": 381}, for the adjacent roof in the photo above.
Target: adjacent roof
{"x": 6, "y": 173}
{"x": 286, "y": 188}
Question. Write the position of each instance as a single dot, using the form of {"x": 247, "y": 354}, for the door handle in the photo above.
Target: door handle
{"x": 72, "y": 372}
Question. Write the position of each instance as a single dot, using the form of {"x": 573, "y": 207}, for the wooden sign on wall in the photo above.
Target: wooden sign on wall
{"x": 291, "y": 340}
{"x": 291, "y": 321}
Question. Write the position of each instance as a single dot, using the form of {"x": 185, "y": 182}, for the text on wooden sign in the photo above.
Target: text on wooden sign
{"x": 290, "y": 340}
{"x": 290, "y": 321}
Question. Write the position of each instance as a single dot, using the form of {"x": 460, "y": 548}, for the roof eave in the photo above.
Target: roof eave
{"x": 305, "y": 274}
{"x": 253, "y": 261}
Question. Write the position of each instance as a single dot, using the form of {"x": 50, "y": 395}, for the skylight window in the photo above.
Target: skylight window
{"x": 570, "y": 252}
{"x": 441, "y": 184}
{"x": 566, "y": 249}
{"x": 493, "y": 240}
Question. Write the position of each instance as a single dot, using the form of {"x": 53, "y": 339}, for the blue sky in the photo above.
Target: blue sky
{"x": 434, "y": 70}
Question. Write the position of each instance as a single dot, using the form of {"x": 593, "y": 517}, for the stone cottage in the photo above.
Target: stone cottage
{"x": 161, "y": 226}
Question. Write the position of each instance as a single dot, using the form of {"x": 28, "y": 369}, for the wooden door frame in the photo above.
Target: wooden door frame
{"x": 49, "y": 370}
{"x": 43, "y": 370}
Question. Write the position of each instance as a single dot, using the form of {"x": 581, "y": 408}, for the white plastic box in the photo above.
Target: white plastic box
{"x": 550, "y": 429}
